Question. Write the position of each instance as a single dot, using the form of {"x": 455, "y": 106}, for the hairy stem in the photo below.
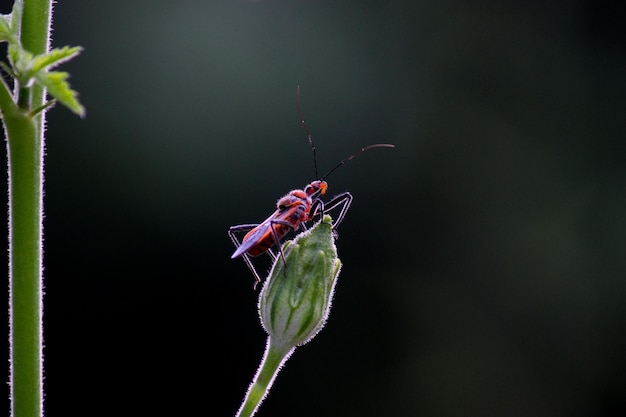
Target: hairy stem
{"x": 25, "y": 188}
{"x": 275, "y": 356}
{"x": 35, "y": 37}
{"x": 25, "y": 159}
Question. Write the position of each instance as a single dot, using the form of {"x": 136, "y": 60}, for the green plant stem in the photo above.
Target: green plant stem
{"x": 25, "y": 169}
{"x": 275, "y": 355}
{"x": 35, "y": 37}
{"x": 25, "y": 158}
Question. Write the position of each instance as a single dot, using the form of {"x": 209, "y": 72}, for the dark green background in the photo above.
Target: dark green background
{"x": 484, "y": 258}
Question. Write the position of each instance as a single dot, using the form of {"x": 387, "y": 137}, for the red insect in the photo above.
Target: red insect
{"x": 293, "y": 210}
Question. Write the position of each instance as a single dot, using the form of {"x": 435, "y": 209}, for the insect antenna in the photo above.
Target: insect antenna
{"x": 310, "y": 138}
{"x": 354, "y": 155}
{"x": 306, "y": 129}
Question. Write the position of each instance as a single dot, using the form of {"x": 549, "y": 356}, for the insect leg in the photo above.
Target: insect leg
{"x": 342, "y": 200}
{"x": 245, "y": 256}
{"x": 277, "y": 240}
{"x": 242, "y": 228}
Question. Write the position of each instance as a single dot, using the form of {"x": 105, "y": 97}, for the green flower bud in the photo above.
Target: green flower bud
{"x": 295, "y": 300}
{"x": 294, "y": 304}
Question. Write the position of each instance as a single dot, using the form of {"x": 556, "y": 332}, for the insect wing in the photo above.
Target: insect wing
{"x": 254, "y": 236}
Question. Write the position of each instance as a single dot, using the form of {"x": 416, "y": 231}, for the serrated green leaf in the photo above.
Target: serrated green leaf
{"x": 54, "y": 58}
{"x": 57, "y": 86}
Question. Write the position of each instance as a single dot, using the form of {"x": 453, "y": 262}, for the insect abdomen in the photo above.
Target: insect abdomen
{"x": 268, "y": 240}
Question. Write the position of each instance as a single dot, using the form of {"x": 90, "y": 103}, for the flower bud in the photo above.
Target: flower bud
{"x": 295, "y": 300}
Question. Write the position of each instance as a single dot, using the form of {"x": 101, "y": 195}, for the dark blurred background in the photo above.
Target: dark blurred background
{"x": 484, "y": 258}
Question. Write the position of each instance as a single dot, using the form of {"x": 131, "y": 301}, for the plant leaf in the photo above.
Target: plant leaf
{"x": 53, "y": 58}
{"x": 10, "y": 23}
{"x": 5, "y": 28}
{"x": 57, "y": 86}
